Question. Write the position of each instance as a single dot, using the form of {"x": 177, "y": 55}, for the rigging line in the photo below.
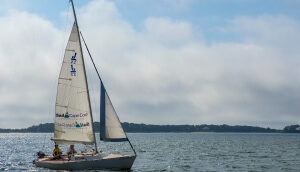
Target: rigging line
{"x": 106, "y": 93}
{"x": 91, "y": 57}
{"x": 103, "y": 85}
{"x": 92, "y": 90}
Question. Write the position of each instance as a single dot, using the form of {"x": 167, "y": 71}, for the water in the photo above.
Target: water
{"x": 174, "y": 151}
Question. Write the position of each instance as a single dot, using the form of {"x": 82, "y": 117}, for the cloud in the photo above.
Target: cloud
{"x": 27, "y": 67}
{"x": 164, "y": 73}
{"x": 251, "y": 82}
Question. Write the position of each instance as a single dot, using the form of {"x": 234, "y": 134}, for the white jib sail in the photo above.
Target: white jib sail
{"x": 73, "y": 118}
{"x": 110, "y": 126}
{"x": 113, "y": 126}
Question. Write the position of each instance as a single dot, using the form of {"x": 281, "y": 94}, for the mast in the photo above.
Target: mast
{"x": 88, "y": 94}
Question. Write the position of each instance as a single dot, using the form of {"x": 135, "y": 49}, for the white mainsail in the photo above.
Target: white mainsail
{"x": 73, "y": 117}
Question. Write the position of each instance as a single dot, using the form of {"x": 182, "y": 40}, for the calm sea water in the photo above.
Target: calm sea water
{"x": 173, "y": 151}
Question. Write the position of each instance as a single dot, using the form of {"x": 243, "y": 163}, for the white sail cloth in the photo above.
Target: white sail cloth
{"x": 73, "y": 117}
{"x": 110, "y": 126}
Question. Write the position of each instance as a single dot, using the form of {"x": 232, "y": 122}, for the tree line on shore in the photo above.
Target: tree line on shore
{"x": 148, "y": 128}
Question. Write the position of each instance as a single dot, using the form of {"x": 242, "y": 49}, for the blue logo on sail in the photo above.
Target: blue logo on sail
{"x": 77, "y": 125}
{"x": 66, "y": 115}
{"x": 73, "y": 59}
{"x": 73, "y": 71}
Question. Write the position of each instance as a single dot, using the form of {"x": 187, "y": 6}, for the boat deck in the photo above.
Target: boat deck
{"x": 80, "y": 157}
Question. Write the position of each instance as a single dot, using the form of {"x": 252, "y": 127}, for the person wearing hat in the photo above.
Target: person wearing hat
{"x": 56, "y": 152}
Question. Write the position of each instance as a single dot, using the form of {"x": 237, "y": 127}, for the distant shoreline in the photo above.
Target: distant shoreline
{"x": 149, "y": 128}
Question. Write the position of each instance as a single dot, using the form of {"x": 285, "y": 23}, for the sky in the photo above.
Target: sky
{"x": 165, "y": 62}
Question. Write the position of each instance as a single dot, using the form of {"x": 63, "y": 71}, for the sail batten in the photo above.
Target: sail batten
{"x": 61, "y": 141}
{"x": 70, "y": 50}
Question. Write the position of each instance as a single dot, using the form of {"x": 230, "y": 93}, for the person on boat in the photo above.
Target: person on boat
{"x": 56, "y": 152}
{"x": 71, "y": 151}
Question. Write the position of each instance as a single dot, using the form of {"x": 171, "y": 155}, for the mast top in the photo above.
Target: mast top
{"x": 74, "y": 13}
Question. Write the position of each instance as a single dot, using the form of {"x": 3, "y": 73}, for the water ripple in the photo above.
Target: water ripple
{"x": 174, "y": 151}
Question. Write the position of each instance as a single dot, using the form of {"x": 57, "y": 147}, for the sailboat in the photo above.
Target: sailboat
{"x": 73, "y": 122}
